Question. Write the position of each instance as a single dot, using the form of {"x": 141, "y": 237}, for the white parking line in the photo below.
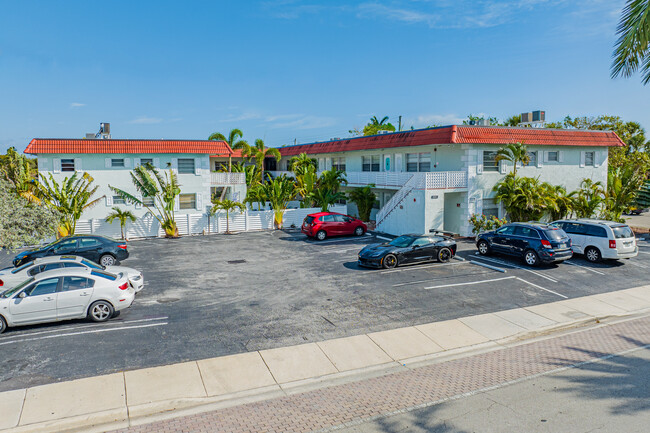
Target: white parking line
{"x": 333, "y": 241}
{"x": 539, "y": 274}
{"x": 638, "y": 265}
{"x": 383, "y": 238}
{"x": 471, "y": 283}
{"x": 542, "y": 288}
{"x": 584, "y": 267}
{"x": 331, "y": 251}
{"x": 94, "y": 331}
{"x": 416, "y": 267}
{"x": 644, "y": 252}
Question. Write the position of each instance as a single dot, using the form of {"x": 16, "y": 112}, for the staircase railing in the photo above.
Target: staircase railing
{"x": 416, "y": 181}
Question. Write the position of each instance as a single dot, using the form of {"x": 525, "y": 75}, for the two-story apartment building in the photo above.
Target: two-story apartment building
{"x": 434, "y": 179}
{"x": 110, "y": 161}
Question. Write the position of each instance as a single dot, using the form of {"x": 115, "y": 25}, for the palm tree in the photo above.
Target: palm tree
{"x": 560, "y": 204}
{"x": 325, "y": 197}
{"x": 632, "y": 48}
{"x": 301, "y": 163}
{"x": 332, "y": 179}
{"x": 364, "y": 198}
{"x": 515, "y": 153}
{"x": 306, "y": 184}
{"x": 259, "y": 152}
{"x": 70, "y": 198}
{"x": 522, "y": 197}
{"x": 623, "y": 185}
{"x": 376, "y": 122}
{"x": 375, "y": 125}
{"x": 228, "y": 206}
{"x": 163, "y": 190}
{"x": 234, "y": 141}
{"x": 279, "y": 192}
{"x": 121, "y": 216}
{"x": 588, "y": 198}
{"x": 21, "y": 173}
{"x": 255, "y": 194}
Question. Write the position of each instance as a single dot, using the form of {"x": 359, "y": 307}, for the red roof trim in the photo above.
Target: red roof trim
{"x": 462, "y": 134}
{"x": 96, "y": 146}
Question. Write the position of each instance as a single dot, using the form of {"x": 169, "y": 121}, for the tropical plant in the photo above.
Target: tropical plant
{"x": 588, "y": 199}
{"x": 161, "y": 189}
{"x": 70, "y": 198}
{"x": 255, "y": 194}
{"x": 375, "y": 125}
{"x": 325, "y": 197}
{"x": 364, "y": 198}
{"x": 23, "y": 223}
{"x": 259, "y": 152}
{"x": 234, "y": 141}
{"x": 632, "y": 48}
{"x": 227, "y": 206}
{"x": 21, "y": 173}
{"x": 332, "y": 180}
{"x": 279, "y": 192}
{"x": 252, "y": 172}
{"x": 481, "y": 223}
{"x": 122, "y": 216}
{"x": 515, "y": 153}
{"x": 559, "y": 203}
{"x": 302, "y": 163}
{"x": 306, "y": 184}
{"x": 522, "y": 197}
{"x": 623, "y": 185}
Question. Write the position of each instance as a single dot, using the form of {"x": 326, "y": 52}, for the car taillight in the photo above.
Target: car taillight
{"x": 546, "y": 244}
{"x": 124, "y": 286}
{"x": 612, "y": 243}
{"x": 123, "y": 246}
{"x": 2, "y": 283}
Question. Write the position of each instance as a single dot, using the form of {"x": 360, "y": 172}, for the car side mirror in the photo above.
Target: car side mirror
{"x": 22, "y": 295}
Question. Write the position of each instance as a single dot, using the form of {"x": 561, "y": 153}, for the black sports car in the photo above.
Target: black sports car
{"x": 99, "y": 249}
{"x": 408, "y": 249}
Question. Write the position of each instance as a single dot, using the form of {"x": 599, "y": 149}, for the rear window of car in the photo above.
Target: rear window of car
{"x": 103, "y": 274}
{"x": 596, "y": 231}
{"x": 621, "y": 232}
{"x": 91, "y": 264}
{"x": 15, "y": 271}
{"x": 309, "y": 220}
{"x": 555, "y": 235}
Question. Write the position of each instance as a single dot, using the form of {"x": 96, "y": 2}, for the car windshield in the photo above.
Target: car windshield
{"x": 309, "y": 220}
{"x": 555, "y": 235}
{"x": 20, "y": 268}
{"x": 621, "y": 232}
{"x": 92, "y": 265}
{"x": 402, "y": 241}
{"x": 19, "y": 287}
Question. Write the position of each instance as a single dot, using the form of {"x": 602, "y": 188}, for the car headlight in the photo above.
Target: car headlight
{"x": 137, "y": 277}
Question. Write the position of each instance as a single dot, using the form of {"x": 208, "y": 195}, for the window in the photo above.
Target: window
{"x": 117, "y": 199}
{"x": 505, "y": 230}
{"x": 490, "y": 208}
{"x": 145, "y": 161}
{"x": 76, "y": 283}
{"x": 186, "y": 165}
{"x": 533, "y": 159}
{"x": 526, "y": 232}
{"x": 45, "y": 287}
{"x": 370, "y": 163}
{"x": 338, "y": 164}
{"x": 65, "y": 247}
{"x": 117, "y": 162}
{"x": 552, "y": 156}
{"x": 338, "y": 218}
{"x": 73, "y": 265}
{"x": 67, "y": 165}
{"x": 589, "y": 159}
{"x": 187, "y": 201}
{"x": 89, "y": 243}
{"x": 420, "y": 242}
{"x": 425, "y": 162}
{"x": 574, "y": 228}
{"x": 411, "y": 162}
{"x": 555, "y": 234}
{"x": 219, "y": 165}
{"x": 490, "y": 161}
{"x": 622, "y": 232}
{"x": 418, "y": 162}
{"x": 148, "y": 201}
{"x": 327, "y": 218}
{"x": 90, "y": 264}
{"x": 42, "y": 268}
{"x": 596, "y": 231}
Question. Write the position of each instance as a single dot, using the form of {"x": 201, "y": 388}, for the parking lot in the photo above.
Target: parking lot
{"x": 209, "y": 296}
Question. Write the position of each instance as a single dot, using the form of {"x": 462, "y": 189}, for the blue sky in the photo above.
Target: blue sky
{"x": 306, "y": 70}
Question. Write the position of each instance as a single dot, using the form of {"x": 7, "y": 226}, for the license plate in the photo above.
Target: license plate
{"x": 627, "y": 244}
{"x": 562, "y": 246}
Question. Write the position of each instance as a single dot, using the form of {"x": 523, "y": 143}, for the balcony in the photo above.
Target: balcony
{"x": 218, "y": 179}
{"x": 396, "y": 180}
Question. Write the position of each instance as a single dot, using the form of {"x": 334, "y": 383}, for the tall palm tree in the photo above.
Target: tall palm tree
{"x": 122, "y": 216}
{"x": 306, "y": 183}
{"x": 588, "y": 198}
{"x": 162, "y": 189}
{"x": 376, "y": 122}
{"x": 259, "y": 152}
{"x": 255, "y": 194}
{"x": 228, "y": 206}
{"x": 632, "y": 50}
{"x": 325, "y": 197}
{"x": 515, "y": 153}
{"x": 332, "y": 179}
{"x": 234, "y": 141}
{"x": 279, "y": 192}
{"x": 365, "y": 199}
{"x": 70, "y": 198}
{"x": 560, "y": 204}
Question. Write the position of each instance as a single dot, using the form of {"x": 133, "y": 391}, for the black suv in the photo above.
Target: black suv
{"x": 99, "y": 249}
{"x": 534, "y": 242}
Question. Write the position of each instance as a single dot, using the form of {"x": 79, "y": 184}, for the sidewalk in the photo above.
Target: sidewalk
{"x": 328, "y": 376}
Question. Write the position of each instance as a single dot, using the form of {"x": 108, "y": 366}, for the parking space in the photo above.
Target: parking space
{"x": 208, "y": 296}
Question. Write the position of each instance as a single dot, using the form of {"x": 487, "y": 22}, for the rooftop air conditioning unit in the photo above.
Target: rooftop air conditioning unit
{"x": 526, "y": 117}
{"x": 484, "y": 122}
{"x": 539, "y": 116}
{"x": 384, "y": 131}
{"x": 90, "y": 135}
{"x": 105, "y": 128}
{"x": 472, "y": 122}
{"x": 335, "y": 139}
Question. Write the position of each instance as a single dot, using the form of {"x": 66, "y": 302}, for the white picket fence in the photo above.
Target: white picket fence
{"x": 192, "y": 224}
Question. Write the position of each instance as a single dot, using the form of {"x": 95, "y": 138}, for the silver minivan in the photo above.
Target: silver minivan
{"x": 600, "y": 239}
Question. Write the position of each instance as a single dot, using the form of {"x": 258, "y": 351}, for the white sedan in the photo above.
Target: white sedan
{"x": 10, "y": 277}
{"x": 63, "y": 294}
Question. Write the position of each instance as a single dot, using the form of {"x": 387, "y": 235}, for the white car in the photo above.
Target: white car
{"x": 63, "y": 294}
{"x": 10, "y": 277}
{"x": 599, "y": 239}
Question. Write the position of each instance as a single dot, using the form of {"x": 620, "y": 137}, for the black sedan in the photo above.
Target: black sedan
{"x": 408, "y": 249}
{"x": 99, "y": 249}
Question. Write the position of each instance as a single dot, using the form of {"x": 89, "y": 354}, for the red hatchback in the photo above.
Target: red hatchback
{"x": 323, "y": 224}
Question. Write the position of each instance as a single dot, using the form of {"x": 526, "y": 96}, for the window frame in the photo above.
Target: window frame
{"x": 68, "y": 164}
{"x": 490, "y": 164}
{"x": 118, "y": 199}
{"x": 592, "y": 154}
{"x": 115, "y": 163}
{"x": 553, "y": 152}
{"x": 184, "y": 206}
{"x": 185, "y": 162}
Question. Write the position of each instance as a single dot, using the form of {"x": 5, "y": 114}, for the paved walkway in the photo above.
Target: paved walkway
{"x": 277, "y": 376}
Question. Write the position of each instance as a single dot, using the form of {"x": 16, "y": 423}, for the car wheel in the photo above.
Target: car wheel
{"x": 483, "y": 248}
{"x": 359, "y": 231}
{"x": 100, "y": 311}
{"x": 592, "y": 254}
{"x": 321, "y": 235}
{"x": 390, "y": 261}
{"x": 444, "y": 255}
{"x": 531, "y": 258}
{"x": 3, "y": 325}
{"x": 107, "y": 260}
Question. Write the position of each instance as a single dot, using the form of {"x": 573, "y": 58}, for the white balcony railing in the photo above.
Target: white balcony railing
{"x": 446, "y": 180}
{"x": 217, "y": 178}
{"x": 428, "y": 180}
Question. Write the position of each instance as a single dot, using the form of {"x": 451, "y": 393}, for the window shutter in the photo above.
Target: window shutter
{"x": 328, "y": 164}
{"x": 197, "y": 168}
{"x": 546, "y": 156}
{"x": 502, "y": 167}
{"x": 127, "y": 162}
{"x": 41, "y": 164}
{"x": 599, "y": 158}
{"x": 139, "y": 197}
{"x": 156, "y": 162}
{"x": 56, "y": 165}
{"x": 540, "y": 156}
{"x": 560, "y": 156}
{"x": 77, "y": 164}
{"x": 479, "y": 162}
{"x": 136, "y": 162}
{"x": 582, "y": 159}
{"x": 107, "y": 162}
{"x": 175, "y": 164}
{"x": 109, "y": 200}
{"x": 199, "y": 201}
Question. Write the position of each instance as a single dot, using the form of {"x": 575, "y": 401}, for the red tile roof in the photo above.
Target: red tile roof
{"x": 462, "y": 134}
{"x": 236, "y": 153}
{"x": 55, "y": 145}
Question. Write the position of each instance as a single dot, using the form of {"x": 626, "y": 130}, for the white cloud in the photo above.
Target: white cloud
{"x": 306, "y": 122}
{"x": 77, "y": 105}
{"x": 144, "y": 120}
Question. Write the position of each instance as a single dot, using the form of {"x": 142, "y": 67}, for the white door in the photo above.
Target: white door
{"x": 39, "y": 304}
{"x": 74, "y": 297}
{"x": 398, "y": 162}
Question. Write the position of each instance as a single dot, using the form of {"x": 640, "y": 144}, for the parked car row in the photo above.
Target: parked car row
{"x": 63, "y": 281}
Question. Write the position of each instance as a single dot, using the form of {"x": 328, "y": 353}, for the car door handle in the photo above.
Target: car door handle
{"x": 84, "y": 294}
{"x": 48, "y": 299}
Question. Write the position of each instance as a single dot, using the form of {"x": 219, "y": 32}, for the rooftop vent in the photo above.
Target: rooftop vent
{"x": 484, "y": 122}
{"x": 533, "y": 118}
{"x": 384, "y": 131}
